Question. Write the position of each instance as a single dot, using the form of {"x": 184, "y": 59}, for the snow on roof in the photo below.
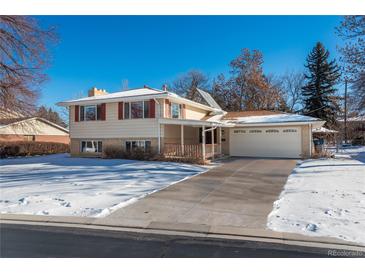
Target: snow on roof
{"x": 209, "y": 99}
{"x": 324, "y": 130}
{"x": 121, "y": 94}
{"x": 8, "y": 122}
{"x": 274, "y": 118}
{"x": 354, "y": 119}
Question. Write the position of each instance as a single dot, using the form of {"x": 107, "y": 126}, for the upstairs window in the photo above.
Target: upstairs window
{"x": 136, "y": 110}
{"x": 126, "y": 111}
{"x": 91, "y": 112}
{"x": 175, "y": 110}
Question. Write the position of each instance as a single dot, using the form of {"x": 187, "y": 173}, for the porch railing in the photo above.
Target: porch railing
{"x": 190, "y": 151}
{"x": 209, "y": 150}
{"x": 183, "y": 151}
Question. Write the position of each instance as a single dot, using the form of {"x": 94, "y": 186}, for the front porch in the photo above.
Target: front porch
{"x": 191, "y": 141}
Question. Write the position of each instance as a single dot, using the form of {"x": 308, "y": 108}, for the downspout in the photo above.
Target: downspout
{"x": 158, "y": 126}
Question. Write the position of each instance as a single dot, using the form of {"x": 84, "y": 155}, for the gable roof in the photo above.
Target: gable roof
{"x": 139, "y": 93}
{"x": 209, "y": 99}
{"x": 13, "y": 121}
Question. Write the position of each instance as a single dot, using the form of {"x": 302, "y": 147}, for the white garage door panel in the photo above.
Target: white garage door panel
{"x": 266, "y": 142}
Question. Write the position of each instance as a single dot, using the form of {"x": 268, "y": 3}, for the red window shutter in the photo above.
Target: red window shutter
{"x": 77, "y": 113}
{"x": 103, "y": 112}
{"x": 183, "y": 112}
{"x": 120, "y": 110}
{"x": 152, "y": 113}
{"x": 170, "y": 110}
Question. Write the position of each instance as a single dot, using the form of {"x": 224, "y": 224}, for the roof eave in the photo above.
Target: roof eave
{"x": 290, "y": 123}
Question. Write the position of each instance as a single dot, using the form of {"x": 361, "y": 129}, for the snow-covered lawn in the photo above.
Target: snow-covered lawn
{"x": 325, "y": 197}
{"x": 65, "y": 186}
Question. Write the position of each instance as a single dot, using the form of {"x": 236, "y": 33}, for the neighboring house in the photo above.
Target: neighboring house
{"x": 17, "y": 128}
{"x": 355, "y": 129}
{"x": 178, "y": 127}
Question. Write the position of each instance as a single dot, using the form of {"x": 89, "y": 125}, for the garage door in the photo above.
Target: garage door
{"x": 265, "y": 142}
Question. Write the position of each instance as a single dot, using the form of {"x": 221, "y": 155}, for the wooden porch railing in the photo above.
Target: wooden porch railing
{"x": 190, "y": 151}
{"x": 209, "y": 150}
{"x": 180, "y": 151}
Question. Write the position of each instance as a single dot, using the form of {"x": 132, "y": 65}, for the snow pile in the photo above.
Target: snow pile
{"x": 64, "y": 186}
{"x": 324, "y": 197}
{"x": 276, "y": 118}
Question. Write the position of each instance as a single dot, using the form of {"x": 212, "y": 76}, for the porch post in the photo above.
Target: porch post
{"x": 182, "y": 138}
{"x": 203, "y": 142}
{"x": 159, "y": 136}
{"x": 212, "y": 132}
{"x": 220, "y": 140}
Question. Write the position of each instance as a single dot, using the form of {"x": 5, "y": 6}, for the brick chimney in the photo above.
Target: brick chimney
{"x": 96, "y": 92}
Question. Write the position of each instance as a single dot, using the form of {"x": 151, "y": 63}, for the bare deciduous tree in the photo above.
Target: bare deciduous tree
{"x": 186, "y": 84}
{"x": 291, "y": 85}
{"x": 252, "y": 89}
{"x": 23, "y": 57}
{"x": 352, "y": 30}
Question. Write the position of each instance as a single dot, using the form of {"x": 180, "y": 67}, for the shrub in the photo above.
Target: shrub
{"x": 112, "y": 152}
{"x": 29, "y": 148}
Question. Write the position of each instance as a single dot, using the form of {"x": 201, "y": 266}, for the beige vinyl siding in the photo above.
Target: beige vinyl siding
{"x": 112, "y": 127}
{"x": 32, "y": 127}
{"x": 193, "y": 113}
{"x": 172, "y": 134}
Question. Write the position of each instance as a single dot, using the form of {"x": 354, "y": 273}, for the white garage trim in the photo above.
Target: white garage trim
{"x": 278, "y": 142}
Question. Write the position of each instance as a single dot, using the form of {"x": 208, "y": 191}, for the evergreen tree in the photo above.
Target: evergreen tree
{"x": 319, "y": 91}
{"x": 50, "y": 115}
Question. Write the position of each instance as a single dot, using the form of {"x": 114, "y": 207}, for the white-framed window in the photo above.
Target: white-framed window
{"x": 255, "y": 131}
{"x": 134, "y": 144}
{"x": 136, "y": 110}
{"x": 91, "y": 146}
{"x": 90, "y": 112}
{"x": 175, "y": 110}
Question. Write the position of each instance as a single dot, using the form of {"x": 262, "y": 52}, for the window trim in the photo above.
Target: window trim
{"x": 98, "y": 151}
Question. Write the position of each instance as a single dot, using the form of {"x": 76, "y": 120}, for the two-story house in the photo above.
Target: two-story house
{"x": 173, "y": 125}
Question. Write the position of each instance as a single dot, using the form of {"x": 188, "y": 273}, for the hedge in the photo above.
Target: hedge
{"x": 31, "y": 148}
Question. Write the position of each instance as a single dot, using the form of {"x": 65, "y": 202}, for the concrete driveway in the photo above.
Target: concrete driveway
{"x": 239, "y": 193}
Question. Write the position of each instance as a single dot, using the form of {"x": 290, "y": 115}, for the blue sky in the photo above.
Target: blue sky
{"x": 101, "y": 51}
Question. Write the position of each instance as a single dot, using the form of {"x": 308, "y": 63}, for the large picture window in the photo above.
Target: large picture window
{"x": 92, "y": 146}
{"x": 136, "y": 110}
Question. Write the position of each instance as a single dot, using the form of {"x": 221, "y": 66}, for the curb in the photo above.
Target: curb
{"x": 239, "y": 235}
